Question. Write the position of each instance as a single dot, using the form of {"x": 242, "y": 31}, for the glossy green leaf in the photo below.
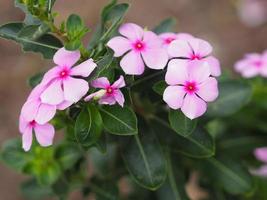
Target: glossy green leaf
{"x": 144, "y": 159}
{"x": 166, "y": 25}
{"x": 45, "y": 44}
{"x": 181, "y": 124}
{"x": 232, "y": 97}
{"x": 88, "y": 126}
{"x": 159, "y": 87}
{"x": 118, "y": 120}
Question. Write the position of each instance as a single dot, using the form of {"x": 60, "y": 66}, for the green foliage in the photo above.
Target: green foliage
{"x": 166, "y": 25}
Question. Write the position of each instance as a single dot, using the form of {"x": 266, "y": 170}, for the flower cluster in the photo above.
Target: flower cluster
{"x": 261, "y": 155}
{"x": 253, "y": 64}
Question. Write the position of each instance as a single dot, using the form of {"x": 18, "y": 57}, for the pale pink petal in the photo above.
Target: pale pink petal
{"x": 173, "y": 96}
{"x": 90, "y": 96}
{"x": 132, "y": 63}
{"x": 155, "y": 58}
{"x": 119, "y": 97}
{"x": 23, "y": 124}
{"x": 66, "y": 58}
{"x": 101, "y": 82}
{"x": 74, "y": 89}
{"x": 53, "y": 94}
{"x": 261, "y": 154}
{"x": 50, "y": 75}
{"x": 109, "y": 100}
{"x": 27, "y": 139}
{"x": 208, "y": 90}
{"x": 29, "y": 109}
{"x": 199, "y": 71}
{"x": 262, "y": 171}
{"x": 180, "y": 48}
{"x": 44, "y": 134}
{"x": 119, "y": 45}
{"x": 45, "y": 113}
{"x": 250, "y": 71}
{"x": 64, "y": 105}
{"x": 119, "y": 83}
{"x": 184, "y": 36}
{"x": 200, "y": 47}
{"x": 193, "y": 106}
{"x": 168, "y": 37}
{"x": 214, "y": 65}
{"x": 84, "y": 69}
{"x": 131, "y": 31}
{"x": 36, "y": 92}
{"x": 151, "y": 40}
{"x": 177, "y": 72}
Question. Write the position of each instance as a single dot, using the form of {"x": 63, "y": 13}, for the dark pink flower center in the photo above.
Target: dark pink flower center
{"x": 258, "y": 63}
{"x": 109, "y": 90}
{"x": 169, "y": 40}
{"x": 139, "y": 45}
{"x": 64, "y": 73}
{"x": 190, "y": 87}
{"x": 32, "y": 123}
{"x": 195, "y": 57}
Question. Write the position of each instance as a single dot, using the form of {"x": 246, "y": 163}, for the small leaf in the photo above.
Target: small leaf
{"x": 181, "y": 124}
{"x": 144, "y": 159}
{"x": 166, "y": 25}
{"x": 36, "y": 79}
{"x": 159, "y": 87}
{"x": 118, "y": 120}
{"x": 232, "y": 97}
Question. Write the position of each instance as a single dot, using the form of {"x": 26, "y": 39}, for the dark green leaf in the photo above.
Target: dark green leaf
{"x": 159, "y": 87}
{"x": 104, "y": 190}
{"x": 36, "y": 79}
{"x": 45, "y": 44}
{"x": 166, "y": 25}
{"x": 181, "y": 124}
{"x": 118, "y": 120}
{"x": 232, "y": 97}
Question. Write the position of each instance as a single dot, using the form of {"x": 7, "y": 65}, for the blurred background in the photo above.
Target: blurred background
{"x": 233, "y": 27}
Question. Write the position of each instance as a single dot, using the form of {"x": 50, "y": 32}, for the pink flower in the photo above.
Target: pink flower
{"x": 62, "y": 88}
{"x": 167, "y": 38}
{"x": 190, "y": 87}
{"x": 44, "y": 133}
{"x": 261, "y": 155}
{"x": 140, "y": 47}
{"x": 252, "y": 64}
{"x": 110, "y": 94}
{"x": 195, "y": 49}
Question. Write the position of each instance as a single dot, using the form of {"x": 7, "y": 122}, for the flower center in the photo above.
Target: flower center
{"x": 190, "y": 87}
{"x": 32, "y": 123}
{"x": 64, "y": 73}
{"x": 139, "y": 46}
{"x": 169, "y": 40}
{"x": 195, "y": 57}
{"x": 109, "y": 90}
{"x": 258, "y": 63}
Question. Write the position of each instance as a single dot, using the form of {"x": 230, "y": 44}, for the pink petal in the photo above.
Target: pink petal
{"x": 168, "y": 36}
{"x": 45, "y": 113}
{"x": 155, "y": 58}
{"x": 36, "y": 92}
{"x": 180, "y": 48}
{"x": 193, "y": 106}
{"x": 53, "y": 94}
{"x": 23, "y": 124}
{"x": 50, "y": 75}
{"x": 240, "y": 65}
{"x": 109, "y": 100}
{"x": 208, "y": 90}
{"x": 29, "y": 109}
{"x": 44, "y": 134}
{"x": 119, "y": 45}
{"x": 64, "y": 105}
{"x": 262, "y": 171}
{"x": 119, "y": 97}
{"x": 66, "y": 58}
{"x": 177, "y": 72}
{"x": 200, "y": 47}
{"x": 151, "y": 40}
{"x": 214, "y": 65}
{"x": 250, "y": 71}
{"x": 74, "y": 89}
{"x": 131, "y": 31}
{"x": 261, "y": 154}
{"x": 101, "y": 82}
{"x": 90, "y": 96}
{"x": 184, "y": 36}
{"x": 27, "y": 139}
{"x": 199, "y": 71}
{"x": 119, "y": 83}
{"x": 173, "y": 96}
{"x": 84, "y": 69}
{"x": 132, "y": 63}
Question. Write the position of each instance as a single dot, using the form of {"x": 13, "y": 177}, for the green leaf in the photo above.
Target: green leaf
{"x": 32, "y": 190}
{"x": 45, "y": 44}
{"x": 181, "y": 124}
{"x": 88, "y": 126}
{"x": 144, "y": 159}
{"x": 36, "y": 79}
{"x": 118, "y": 120}
{"x": 232, "y": 97}
{"x": 14, "y": 156}
{"x": 159, "y": 87}
{"x": 198, "y": 145}
{"x": 67, "y": 154}
{"x": 166, "y": 25}
{"x": 230, "y": 174}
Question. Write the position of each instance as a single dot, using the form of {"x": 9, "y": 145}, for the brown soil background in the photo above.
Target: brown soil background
{"x": 214, "y": 20}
